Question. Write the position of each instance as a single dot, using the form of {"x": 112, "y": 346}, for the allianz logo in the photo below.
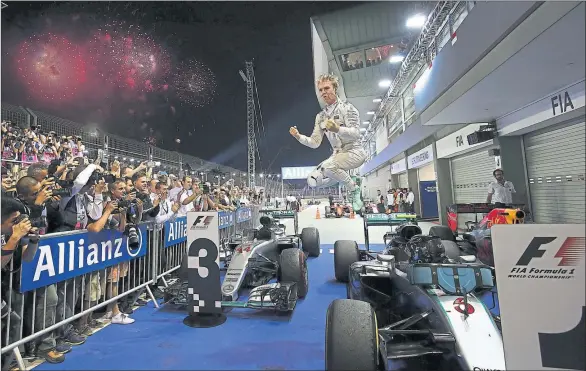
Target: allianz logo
{"x": 177, "y": 230}
{"x": 79, "y": 256}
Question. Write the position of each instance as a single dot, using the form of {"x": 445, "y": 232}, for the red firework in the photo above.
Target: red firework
{"x": 129, "y": 58}
{"x": 51, "y": 66}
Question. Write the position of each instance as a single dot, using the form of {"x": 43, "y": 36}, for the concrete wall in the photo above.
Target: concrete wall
{"x": 484, "y": 27}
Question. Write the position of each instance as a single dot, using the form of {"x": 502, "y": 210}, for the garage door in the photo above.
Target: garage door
{"x": 471, "y": 175}
{"x": 403, "y": 180}
{"x": 555, "y": 168}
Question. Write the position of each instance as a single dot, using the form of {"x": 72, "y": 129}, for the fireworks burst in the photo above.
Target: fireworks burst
{"x": 124, "y": 55}
{"x": 51, "y": 66}
{"x": 194, "y": 83}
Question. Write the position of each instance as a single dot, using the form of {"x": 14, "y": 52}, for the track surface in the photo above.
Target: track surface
{"x": 249, "y": 340}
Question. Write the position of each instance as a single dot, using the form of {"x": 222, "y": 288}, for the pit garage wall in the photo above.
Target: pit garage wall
{"x": 484, "y": 27}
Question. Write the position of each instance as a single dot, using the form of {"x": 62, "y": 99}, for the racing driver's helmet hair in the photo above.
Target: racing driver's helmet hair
{"x": 426, "y": 249}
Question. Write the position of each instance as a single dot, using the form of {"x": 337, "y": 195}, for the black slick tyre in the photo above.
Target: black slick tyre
{"x": 293, "y": 268}
{"x": 345, "y": 253}
{"x": 351, "y": 336}
{"x": 310, "y": 241}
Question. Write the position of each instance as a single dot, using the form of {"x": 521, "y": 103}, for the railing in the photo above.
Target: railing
{"x": 74, "y": 273}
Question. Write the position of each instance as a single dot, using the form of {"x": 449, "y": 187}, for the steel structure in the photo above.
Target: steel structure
{"x": 250, "y": 121}
{"x": 415, "y": 59}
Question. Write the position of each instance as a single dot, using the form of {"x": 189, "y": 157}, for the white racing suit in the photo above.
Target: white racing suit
{"x": 348, "y": 153}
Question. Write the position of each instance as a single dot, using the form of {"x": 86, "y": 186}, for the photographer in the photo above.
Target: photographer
{"x": 200, "y": 199}
{"x": 15, "y": 229}
{"x": 33, "y": 197}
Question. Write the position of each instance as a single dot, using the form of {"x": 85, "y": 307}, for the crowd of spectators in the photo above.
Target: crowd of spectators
{"x": 50, "y": 185}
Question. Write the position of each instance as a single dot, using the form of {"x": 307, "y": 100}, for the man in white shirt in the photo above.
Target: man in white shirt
{"x": 169, "y": 208}
{"x": 410, "y": 201}
{"x": 500, "y": 192}
{"x": 391, "y": 200}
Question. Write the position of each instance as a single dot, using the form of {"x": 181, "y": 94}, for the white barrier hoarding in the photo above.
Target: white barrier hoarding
{"x": 301, "y": 172}
{"x": 540, "y": 276}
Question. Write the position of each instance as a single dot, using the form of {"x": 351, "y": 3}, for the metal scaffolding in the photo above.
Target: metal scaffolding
{"x": 250, "y": 121}
{"x": 417, "y": 57}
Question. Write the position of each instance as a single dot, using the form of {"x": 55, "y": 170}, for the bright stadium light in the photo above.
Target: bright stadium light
{"x": 377, "y": 100}
{"x": 384, "y": 83}
{"x": 416, "y": 21}
{"x": 396, "y": 59}
{"x": 370, "y": 113}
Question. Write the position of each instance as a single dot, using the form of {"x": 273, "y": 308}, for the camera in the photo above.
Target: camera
{"x": 96, "y": 176}
{"x": 206, "y": 188}
{"x": 61, "y": 192}
{"x": 131, "y": 232}
{"x": 39, "y": 222}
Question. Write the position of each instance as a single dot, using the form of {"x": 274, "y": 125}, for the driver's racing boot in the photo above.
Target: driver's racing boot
{"x": 355, "y": 196}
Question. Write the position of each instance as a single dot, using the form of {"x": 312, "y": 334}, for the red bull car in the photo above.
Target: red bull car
{"x": 477, "y": 235}
{"x": 338, "y": 210}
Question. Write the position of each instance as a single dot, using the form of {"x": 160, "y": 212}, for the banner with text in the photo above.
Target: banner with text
{"x": 243, "y": 214}
{"x": 225, "y": 219}
{"x": 301, "y": 172}
{"x": 540, "y": 272}
{"x": 66, "y": 256}
{"x": 175, "y": 231}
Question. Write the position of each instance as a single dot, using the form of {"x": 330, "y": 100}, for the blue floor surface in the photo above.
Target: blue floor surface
{"x": 248, "y": 340}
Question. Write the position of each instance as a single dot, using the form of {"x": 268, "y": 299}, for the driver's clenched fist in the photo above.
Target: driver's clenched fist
{"x": 293, "y": 131}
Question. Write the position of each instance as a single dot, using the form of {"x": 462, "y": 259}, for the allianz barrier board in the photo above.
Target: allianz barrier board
{"x": 175, "y": 231}
{"x": 225, "y": 219}
{"x": 62, "y": 257}
{"x": 243, "y": 214}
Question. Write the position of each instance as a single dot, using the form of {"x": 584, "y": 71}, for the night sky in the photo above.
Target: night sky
{"x": 219, "y": 35}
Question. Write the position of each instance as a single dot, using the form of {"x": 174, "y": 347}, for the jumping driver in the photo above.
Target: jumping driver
{"x": 340, "y": 122}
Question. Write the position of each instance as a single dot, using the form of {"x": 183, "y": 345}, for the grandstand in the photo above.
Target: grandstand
{"x": 127, "y": 150}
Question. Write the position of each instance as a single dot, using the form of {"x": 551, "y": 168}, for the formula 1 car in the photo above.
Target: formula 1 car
{"x": 477, "y": 238}
{"x": 338, "y": 210}
{"x": 411, "y": 307}
{"x": 258, "y": 257}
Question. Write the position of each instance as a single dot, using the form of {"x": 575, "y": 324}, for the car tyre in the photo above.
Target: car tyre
{"x": 293, "y": 268}
{"x": 310, "y": 241}
{"x": 351, "y": 336}
{"x": 443, "y": 232}
{"x": 345, "y": 253}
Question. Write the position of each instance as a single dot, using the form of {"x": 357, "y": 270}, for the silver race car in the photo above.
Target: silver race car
{"x": 257, "y": 257}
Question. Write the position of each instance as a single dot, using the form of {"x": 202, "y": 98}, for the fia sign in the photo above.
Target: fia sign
{"x": 561, "y": 105}
{"x": 399, "y": 166}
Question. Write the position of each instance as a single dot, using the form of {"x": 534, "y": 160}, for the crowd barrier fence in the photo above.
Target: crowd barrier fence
{"x": 74, "y": 273}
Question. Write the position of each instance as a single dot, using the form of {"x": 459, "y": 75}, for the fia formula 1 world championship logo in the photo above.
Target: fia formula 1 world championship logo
{"x": 202, "y": 222}
{"x": 570, "y": 254}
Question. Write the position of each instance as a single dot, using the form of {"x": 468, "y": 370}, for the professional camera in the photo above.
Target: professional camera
{"x": 132, "y": 233}
{"x": 206, "y": 188}
{"x": 61, "y": 192}
{"x": 97, "y": 176}
{"x": 39, "y": 222}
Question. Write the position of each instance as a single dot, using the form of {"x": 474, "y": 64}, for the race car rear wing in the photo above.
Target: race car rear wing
{"x": 387, "y": 219}
{"x": 283, "y": 214}
{"x": 380, "y": 219}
